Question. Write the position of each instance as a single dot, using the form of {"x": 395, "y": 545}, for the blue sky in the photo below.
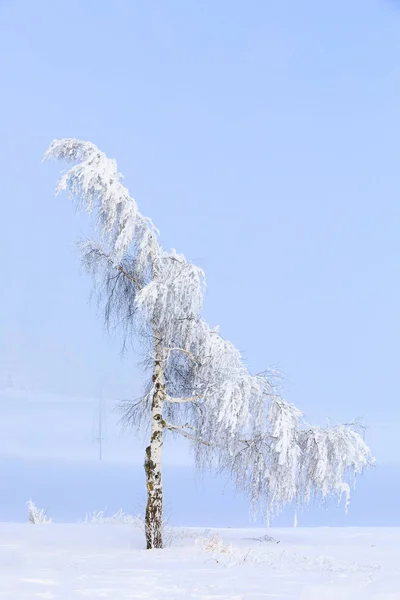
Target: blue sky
{"x": 262, "y": 139}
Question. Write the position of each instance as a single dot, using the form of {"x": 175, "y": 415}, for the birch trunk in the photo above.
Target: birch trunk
{"x": 152, "y": 465}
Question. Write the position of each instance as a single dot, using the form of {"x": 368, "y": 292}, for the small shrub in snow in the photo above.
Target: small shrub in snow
{"x": 176, "y": 534}
{"x": 37, "y": 516}
{"x": 215, "y": 544}
{"x": 118, "y": 518}
{"x": 171, "y": 534}
{"x": 226, "y": 554}
{"x": 122, "y": 518}
{"x": 264, "y": 538}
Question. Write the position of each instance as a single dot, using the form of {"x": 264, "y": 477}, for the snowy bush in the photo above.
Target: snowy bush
{"x": 118, "y": 518}
{"x": 264, "y": 538}
{"x": 37, "y": 516}
{"x": 176, "y": 534}
{"x": 226, "y": 554}
{"x": 170, "y": 534}
{"x": 215, "y": 544}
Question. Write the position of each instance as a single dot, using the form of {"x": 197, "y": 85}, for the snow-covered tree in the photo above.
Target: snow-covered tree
{"x": 199, "y": 386}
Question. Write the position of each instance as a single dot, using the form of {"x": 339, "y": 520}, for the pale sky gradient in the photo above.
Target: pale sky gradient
{"x": 262, "y": 139}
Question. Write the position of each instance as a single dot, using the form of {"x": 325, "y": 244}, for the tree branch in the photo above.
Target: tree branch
{"x": 182, "y": 400}
{"x": 96, "y": 248}
{"x": 181, "y": 430}
{"x": 128, "y": 276}
{"x": 169, "y": 350}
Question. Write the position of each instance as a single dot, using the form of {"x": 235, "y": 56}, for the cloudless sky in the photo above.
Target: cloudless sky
{"x": 262, "y": 138}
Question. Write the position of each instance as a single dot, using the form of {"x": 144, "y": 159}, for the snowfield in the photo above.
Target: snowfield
{"x": 108, "y": 561}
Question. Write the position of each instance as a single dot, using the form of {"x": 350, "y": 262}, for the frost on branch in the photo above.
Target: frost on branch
{"x": 118, "y": 518}
{"x": 95, "y": 183}
{"x": 173, "y": 299}
{"x": 236, "y": 421}
{"x": 293, "y": 461}
{"x": 328, "y": 455}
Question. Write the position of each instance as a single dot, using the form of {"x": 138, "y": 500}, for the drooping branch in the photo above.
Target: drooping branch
{"x": 94, "y": 251}
{"x": 134, "y": 413}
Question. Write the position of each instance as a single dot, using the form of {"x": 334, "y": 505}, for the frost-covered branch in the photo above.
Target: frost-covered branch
{"x": 296, "y": 461}
{"x": 189, "y": 354}
{"x": 182, "y": 430}
{"x": 182, "y": 400}
{"x": 94, "y": 183}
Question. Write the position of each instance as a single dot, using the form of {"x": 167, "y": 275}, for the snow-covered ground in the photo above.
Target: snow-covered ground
{"x": 108, "y": 561}
{"x": 49, "y": 452}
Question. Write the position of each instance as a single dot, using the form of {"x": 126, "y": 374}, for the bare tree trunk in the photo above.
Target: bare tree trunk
{"x": 152, "y": 464}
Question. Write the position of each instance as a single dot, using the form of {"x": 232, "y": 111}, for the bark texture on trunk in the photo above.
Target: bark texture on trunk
{"x": 152, "y": 464}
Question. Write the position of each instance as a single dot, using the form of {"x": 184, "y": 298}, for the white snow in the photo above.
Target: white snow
{"x": 84, "y": 561}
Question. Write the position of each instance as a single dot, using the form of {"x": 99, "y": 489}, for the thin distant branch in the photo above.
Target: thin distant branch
{"x": 96, "y": 249}
{"x": 132, "y": 411}
{"x": 127, "y": 275}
